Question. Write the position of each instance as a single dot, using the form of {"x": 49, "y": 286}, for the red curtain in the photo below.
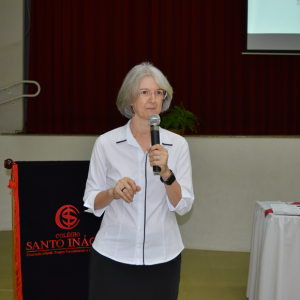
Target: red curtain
{"x": 80, "y": 52}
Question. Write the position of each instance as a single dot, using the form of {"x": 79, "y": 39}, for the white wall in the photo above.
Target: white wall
{"x": 229, "y": 175}
{"x": 11, "y": 64}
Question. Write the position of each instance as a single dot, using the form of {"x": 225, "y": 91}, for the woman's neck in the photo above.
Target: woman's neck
{"x": 140, "y": 128}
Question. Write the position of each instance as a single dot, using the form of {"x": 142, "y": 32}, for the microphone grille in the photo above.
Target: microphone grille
{"x": 154, "y": 120}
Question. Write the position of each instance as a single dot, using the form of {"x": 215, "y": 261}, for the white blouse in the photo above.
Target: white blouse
{"x": 145, "y": 231}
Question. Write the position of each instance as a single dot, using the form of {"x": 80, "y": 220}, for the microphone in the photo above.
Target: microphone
{"x": 154, "y": 121}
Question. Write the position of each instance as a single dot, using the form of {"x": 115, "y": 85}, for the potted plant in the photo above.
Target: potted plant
{"x": 178, "y": 118}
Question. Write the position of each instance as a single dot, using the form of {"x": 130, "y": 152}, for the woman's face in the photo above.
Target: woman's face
{"x": 145, "y": 107}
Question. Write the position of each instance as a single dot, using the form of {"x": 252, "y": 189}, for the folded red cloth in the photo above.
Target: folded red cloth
{"x": 268, "y": 211}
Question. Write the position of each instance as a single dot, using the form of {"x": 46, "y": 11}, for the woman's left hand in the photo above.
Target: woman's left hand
{"x": 158, "y": 156}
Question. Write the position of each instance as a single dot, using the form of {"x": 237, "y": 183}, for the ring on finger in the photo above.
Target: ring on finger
{"x": 157, "y": 158}
{"x": 123, "y": 188}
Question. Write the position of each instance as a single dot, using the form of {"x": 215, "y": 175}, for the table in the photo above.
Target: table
{"x": 274, "y": 272}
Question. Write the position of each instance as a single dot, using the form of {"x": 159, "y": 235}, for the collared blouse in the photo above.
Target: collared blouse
{"x": 145, "y": 231}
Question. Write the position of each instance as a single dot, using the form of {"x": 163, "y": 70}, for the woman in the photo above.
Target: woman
{"x": 136, "y": 253}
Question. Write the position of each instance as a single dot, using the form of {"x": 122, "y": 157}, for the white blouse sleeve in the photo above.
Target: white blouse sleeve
{"x": 183, "y": 174}
{"x": 96, "y": 181}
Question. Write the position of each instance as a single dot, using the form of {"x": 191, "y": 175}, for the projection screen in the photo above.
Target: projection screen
{"x": 273, "y": 25}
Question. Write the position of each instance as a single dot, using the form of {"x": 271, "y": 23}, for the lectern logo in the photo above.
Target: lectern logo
{"x": 66, "y": 217}
{"x": 80, "y": 241}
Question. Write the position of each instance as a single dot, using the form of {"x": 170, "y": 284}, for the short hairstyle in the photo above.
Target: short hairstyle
{"x": 130, "y": 88}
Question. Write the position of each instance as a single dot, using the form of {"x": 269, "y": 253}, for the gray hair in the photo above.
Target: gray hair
{"x": 130, "y": 88}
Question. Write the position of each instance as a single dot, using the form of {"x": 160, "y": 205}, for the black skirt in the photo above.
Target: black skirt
{"x": 111, "y": 280}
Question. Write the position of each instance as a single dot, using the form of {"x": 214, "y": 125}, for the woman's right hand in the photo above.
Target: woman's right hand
{"x": 125, "y": 189}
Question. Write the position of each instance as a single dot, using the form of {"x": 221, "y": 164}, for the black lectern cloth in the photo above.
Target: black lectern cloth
{"x": 56, "y": 234}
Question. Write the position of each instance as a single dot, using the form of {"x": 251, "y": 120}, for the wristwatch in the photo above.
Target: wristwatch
{"x": 170, "y": 180}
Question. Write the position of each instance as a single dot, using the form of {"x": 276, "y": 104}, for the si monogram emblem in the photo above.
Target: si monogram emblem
{"x": 66, "y": 217}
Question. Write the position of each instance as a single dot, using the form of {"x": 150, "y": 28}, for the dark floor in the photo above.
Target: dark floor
{"x": 207, "y": 275}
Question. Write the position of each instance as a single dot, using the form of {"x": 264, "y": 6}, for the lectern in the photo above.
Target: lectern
{"x": 52, "y": 235}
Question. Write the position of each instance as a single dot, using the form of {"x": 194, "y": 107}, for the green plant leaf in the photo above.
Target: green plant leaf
{"x": 179, "y": 118}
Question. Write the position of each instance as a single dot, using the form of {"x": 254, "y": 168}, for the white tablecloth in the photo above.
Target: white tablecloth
{"x": 274, "y": 272}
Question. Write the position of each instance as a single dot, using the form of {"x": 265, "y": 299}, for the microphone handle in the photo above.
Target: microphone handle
{"x": 155, "y": 141}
